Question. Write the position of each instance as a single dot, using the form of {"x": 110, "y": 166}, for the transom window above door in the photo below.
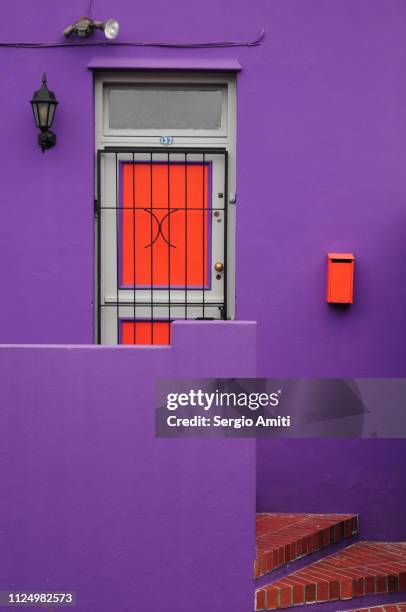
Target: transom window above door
{"x": 201, "y": 110}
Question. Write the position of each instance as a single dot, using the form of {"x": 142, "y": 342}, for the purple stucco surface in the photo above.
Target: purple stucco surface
{"x": 93, "y": 502}
{"x": 320, "y": 168}
{"x": 364, "y": 476}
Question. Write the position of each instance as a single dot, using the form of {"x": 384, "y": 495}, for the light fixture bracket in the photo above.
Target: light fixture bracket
{"x": 46, "y": 140}
{"x": 85, "y": 26}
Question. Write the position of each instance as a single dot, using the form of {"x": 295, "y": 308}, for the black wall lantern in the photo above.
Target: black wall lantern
{"x": 44, "y": 105}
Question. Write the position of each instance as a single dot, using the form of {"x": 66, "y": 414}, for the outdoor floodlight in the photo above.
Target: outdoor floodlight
{"x": 84, "y": 27}
{"x": 44, "y": 105}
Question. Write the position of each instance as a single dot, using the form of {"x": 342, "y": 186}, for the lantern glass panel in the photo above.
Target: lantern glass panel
{"x": 52, "y": 108}
{"x": 43, "y": 114}
{"x": 35, "y": 111}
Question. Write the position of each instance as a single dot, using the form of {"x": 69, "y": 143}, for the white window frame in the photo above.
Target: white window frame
{"x": 225, "y": 136}
{"x": 219, "y": 132}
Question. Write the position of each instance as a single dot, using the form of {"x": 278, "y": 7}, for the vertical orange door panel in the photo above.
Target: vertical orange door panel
{"x": 164, "y": 235}
{"x": 165, "y": 225}
{"x": 145, "y": 332}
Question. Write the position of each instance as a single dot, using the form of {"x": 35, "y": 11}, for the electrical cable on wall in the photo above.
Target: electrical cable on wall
{"x": 85, "y": 26}
{"x": 130, "y": 43}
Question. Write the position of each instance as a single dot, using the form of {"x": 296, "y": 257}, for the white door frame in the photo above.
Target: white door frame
{"x": 223, "y": 138}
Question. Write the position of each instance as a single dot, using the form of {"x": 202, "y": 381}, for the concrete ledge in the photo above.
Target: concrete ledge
{"x": 205, "y": 349}
{"x": 164, "y": 63}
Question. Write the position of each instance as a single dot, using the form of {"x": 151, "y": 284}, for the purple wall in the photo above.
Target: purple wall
{"x": 364, "y": 476}
{"x": 327, "y": 93}
{"x": 93, "y": 502}
{"x": 321, "y": 158}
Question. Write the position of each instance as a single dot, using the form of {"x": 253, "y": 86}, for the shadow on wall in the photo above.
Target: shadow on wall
{"x": 322, "y": 407}
{"x": 364, "y": 476}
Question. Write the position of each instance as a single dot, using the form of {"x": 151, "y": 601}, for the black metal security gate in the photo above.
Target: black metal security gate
{"x": 161, "y": 233}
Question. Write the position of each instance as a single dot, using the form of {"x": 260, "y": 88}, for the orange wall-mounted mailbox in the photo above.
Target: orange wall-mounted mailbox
{"x": 340, "y": 278}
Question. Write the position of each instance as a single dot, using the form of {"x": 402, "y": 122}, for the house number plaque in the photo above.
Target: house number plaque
{"x": 166, "y": 140}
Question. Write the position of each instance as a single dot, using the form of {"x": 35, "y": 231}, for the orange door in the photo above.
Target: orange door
{"x": 164, "y": 235}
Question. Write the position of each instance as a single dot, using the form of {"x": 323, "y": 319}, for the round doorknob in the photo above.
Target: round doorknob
{"x": 218, "y": 266}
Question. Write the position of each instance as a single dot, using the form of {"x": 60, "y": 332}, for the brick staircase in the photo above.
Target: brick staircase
{"x": 397, "y": 607}
{"x": 283, "y": 538}
{"x": 359, "y": 570}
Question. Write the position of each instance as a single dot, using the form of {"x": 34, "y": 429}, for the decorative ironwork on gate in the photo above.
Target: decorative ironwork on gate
{"x": 161, "y": 240}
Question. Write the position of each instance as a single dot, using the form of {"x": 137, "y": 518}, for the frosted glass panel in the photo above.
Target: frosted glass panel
{"x": 164, "y": 108}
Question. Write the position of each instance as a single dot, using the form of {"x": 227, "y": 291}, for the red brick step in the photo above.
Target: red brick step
{"x": 395, "y": 607}
{"x": 365, "y": 568}
{"x": 283, "y": 538}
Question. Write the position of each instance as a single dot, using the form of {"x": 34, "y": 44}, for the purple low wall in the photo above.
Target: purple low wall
{"x": 92, "y": 502}
{"x": 364, "y": 476}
